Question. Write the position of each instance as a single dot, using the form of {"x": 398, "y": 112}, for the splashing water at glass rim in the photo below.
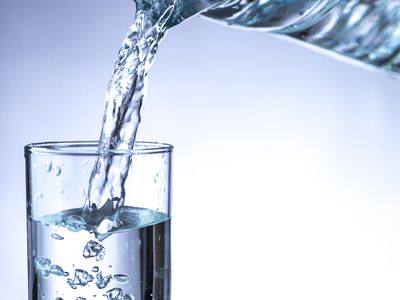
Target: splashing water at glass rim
{"x": 366, "y": 31}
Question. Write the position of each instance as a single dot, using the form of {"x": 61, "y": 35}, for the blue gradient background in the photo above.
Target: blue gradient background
{"x": 287, "y": 168}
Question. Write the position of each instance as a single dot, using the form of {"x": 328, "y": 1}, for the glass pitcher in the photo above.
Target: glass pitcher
{"x": 366, "y": 31}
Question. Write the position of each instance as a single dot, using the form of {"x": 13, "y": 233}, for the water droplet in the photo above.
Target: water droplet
{"x": 85, "y": 162}
{"x": 56, "y": 170}
{"x": 38, "y": 196}
{"x": 80, "y": 298}
{"x": 128, "y": 297}
{"x": 57, "y": 236}
{"x": 48, "y": 165}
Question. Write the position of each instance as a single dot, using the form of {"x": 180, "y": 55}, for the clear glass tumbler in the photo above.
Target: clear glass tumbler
{"x": 66, "y": 259}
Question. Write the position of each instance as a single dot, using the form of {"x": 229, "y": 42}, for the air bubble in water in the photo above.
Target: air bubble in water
{"x": 71, "y": 283}
{"x": 122, "y": 278}
{"x": 42, "y": 265}
{"x": 58, "y": 271}
{"x": 102, "y": 282}
{"x": 94, "y": 249}
{"x": 81, "y": 277}
{"x": 114, "y": 294}
{"x": 95, "y": 269}
{"x": 42, "y": 262}
{"x": 57, "y": 237}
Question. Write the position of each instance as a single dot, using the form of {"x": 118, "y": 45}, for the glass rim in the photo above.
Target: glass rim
{"x": 90, "y": 148}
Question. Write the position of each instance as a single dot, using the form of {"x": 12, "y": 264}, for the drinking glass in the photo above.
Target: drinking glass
{"x": 70, "y": 259}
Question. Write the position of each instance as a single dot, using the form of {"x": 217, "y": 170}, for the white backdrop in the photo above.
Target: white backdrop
{"x": 286, "y": 169}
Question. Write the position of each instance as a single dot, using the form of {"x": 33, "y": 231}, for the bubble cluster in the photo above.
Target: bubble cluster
{"x": 102, "y": 281}
{"x": 91, "y": 275}
{"x": 114, "y": 294}
{"x": 118, "y": 294}
{"x": 43, "y": 267}
{"x": 94, "y": 249}
{"x": 81, "y": 278}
